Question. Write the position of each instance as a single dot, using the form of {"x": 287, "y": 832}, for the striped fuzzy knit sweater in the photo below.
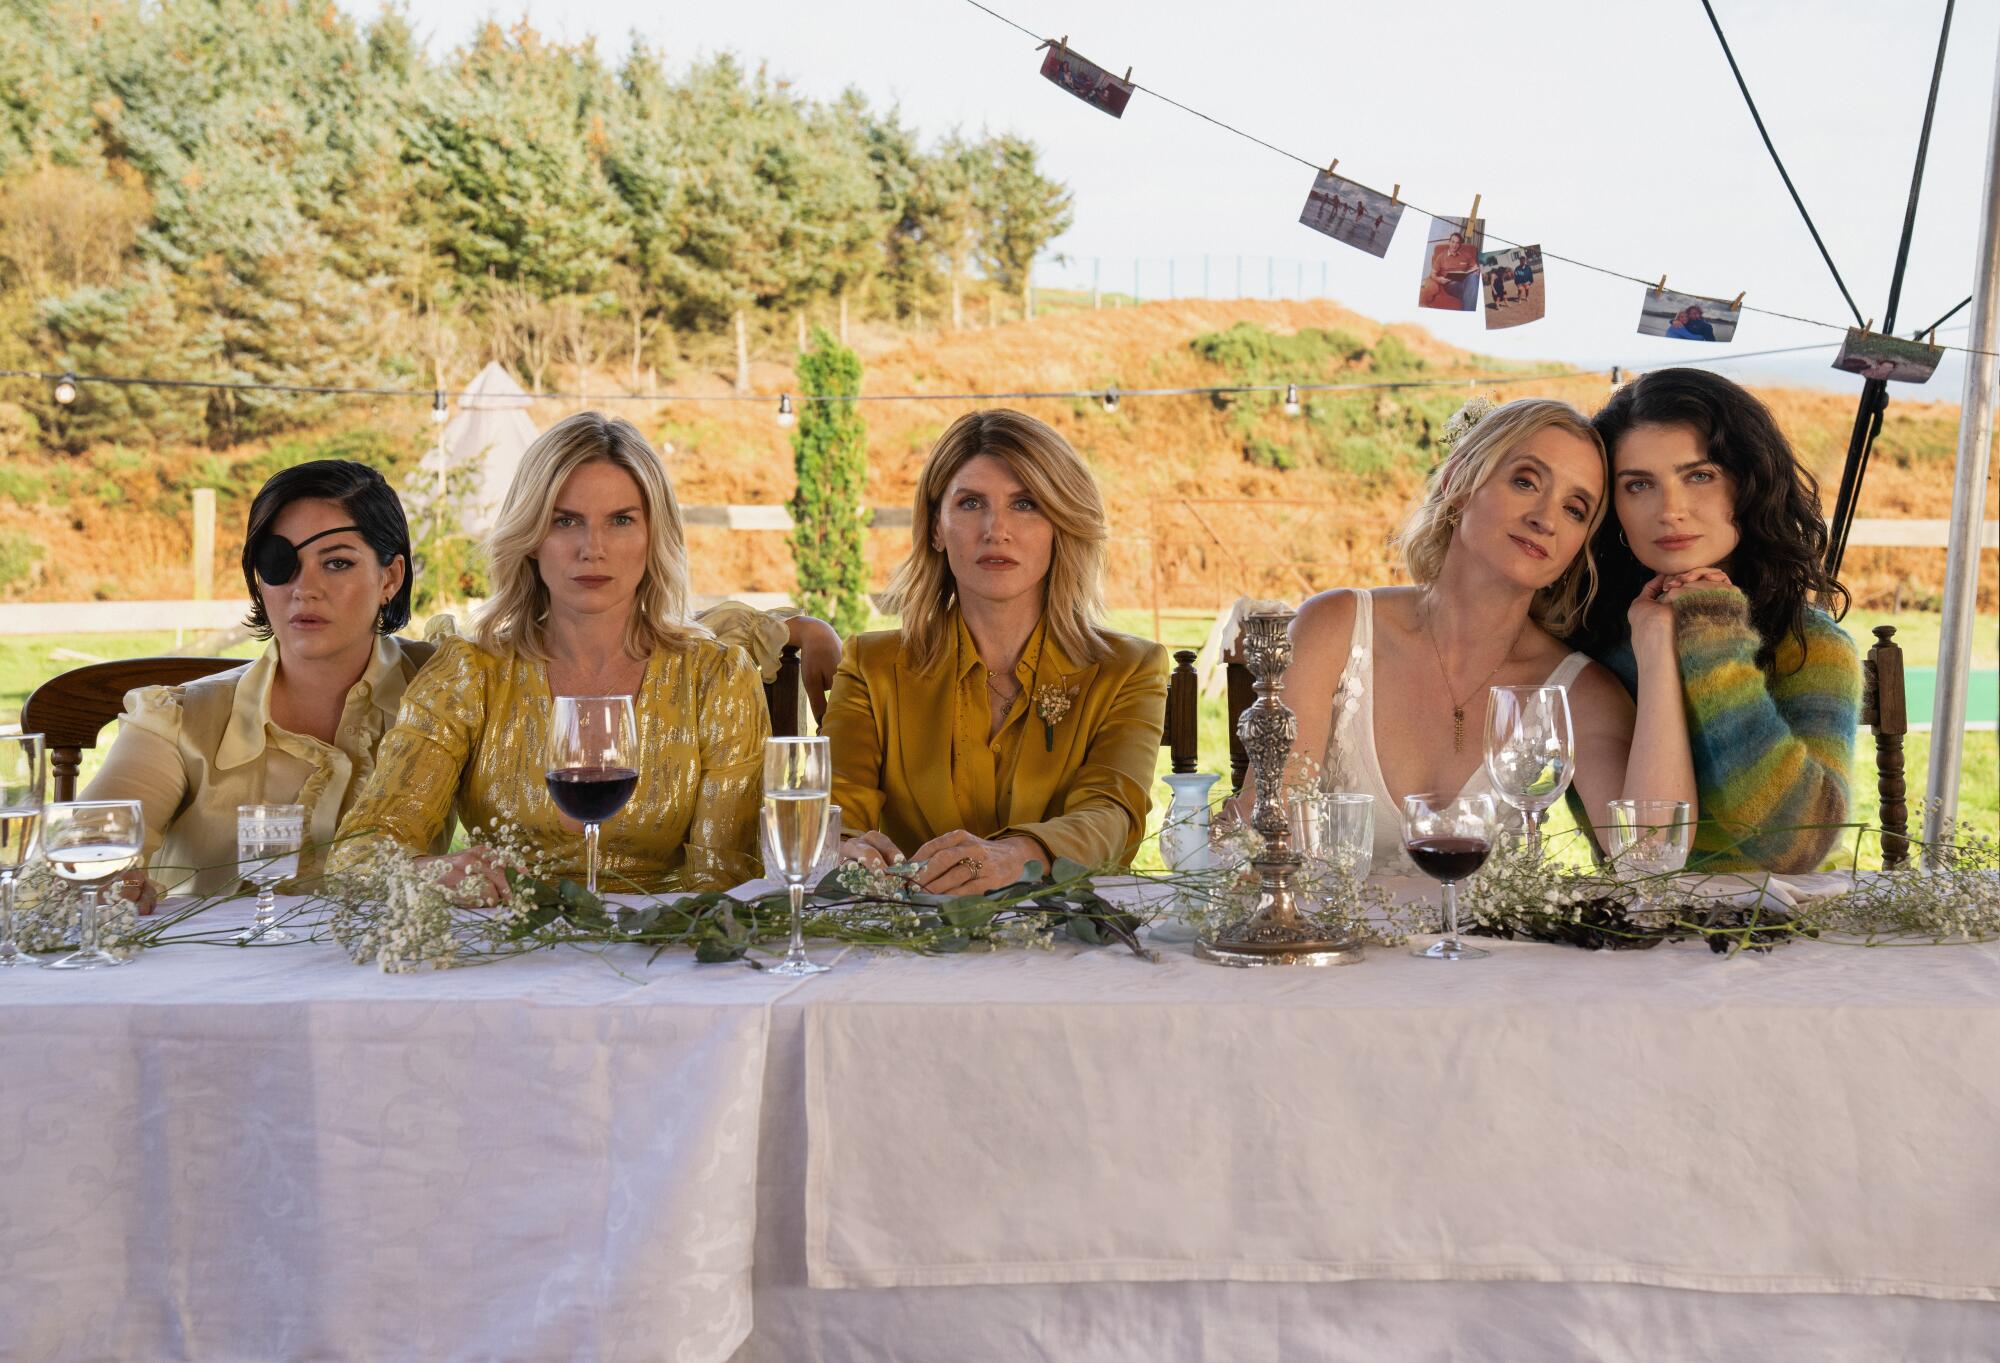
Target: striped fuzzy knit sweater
{"x": 1772, "y": 746}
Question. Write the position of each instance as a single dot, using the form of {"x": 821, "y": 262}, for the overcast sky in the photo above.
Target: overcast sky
{"x": 1607, "y": 130}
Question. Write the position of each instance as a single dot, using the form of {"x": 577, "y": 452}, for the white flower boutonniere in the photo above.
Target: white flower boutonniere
{"x": 1052, "y": 702}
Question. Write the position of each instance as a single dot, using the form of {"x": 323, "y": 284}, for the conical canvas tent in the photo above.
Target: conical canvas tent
{"x": 490, "y": 432}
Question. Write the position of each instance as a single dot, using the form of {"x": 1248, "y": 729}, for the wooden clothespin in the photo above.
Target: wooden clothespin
{"x": 1063, "y": 46}
{"x": 1395, "y": 196}
{"x": 1331, "y": 164}
{"x": 1660, "y": 287}
{"x": 1472, "y": 218}
{"x": 1737, "y": 306}
{"x": 1868, "y": 326}
{"x": 1128, "y": 75}
{"x": 1931, "y": 338}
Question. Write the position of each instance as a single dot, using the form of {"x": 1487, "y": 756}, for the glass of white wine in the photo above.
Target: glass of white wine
{"x": 90, "y": 843}
{"x": 798, "y": 795}
{"x": 268, "y": 838}
{"x": 22, "y": 771}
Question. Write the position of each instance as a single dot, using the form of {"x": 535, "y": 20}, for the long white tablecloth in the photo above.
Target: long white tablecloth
{"x": 270, "y": 1153}
{"x": 273, "y": 1154}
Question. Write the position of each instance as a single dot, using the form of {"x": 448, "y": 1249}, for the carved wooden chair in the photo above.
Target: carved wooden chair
{"x": 785, "y": 696}
{"x": 1182, "y": 735}
{"x": 1884, "y": 709}
{"x": 70, "y": 710}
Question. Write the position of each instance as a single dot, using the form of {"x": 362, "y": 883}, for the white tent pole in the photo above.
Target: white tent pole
{"x": 1968, "y": 497}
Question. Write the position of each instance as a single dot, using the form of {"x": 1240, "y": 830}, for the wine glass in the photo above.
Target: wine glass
{"x": 592, "y": 764}
{"x": 22, "y": 772}
{"x": 798, "y": 789}
{"x": 268, "y": 838}
{"x": 1449, "y": 837}
{"x": 88, "y": 843}
{"x": 829, "y": 856}
{"x": 1529, "y": 751}
{"x": 1650, "y": 837}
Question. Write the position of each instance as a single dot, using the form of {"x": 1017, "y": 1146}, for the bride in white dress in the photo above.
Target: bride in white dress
{"x": 1390, "y": 684}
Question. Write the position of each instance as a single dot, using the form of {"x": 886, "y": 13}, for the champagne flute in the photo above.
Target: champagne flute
{"x": 798, "y": 790}
{"x": 1529, "y": 751}
{"x": 1449, "y": 837}
{"x": 89, "y": 843}
{"x": 22, "y": 772}
{"x": 592, "y": 764}
{"x": 1651, "y": 837}
{"x": 268, "y": 838}
{"x": 1350, "y": 833}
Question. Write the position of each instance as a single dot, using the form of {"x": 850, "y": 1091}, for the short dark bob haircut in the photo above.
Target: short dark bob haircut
{"x": 1779, "y": 562}
{"x": 369, "y": 502}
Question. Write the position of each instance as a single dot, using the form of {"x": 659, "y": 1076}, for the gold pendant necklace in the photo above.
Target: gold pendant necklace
{"x": 1457, "y": 705}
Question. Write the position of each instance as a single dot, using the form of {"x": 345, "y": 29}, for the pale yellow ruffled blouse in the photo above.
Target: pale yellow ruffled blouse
{"x": 470, "y": 739}
{"x": 191, "y": 754}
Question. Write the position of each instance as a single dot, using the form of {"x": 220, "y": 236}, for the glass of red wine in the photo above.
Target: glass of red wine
{"x": 592, "y": 764}
{"x": 1449, "y": 837}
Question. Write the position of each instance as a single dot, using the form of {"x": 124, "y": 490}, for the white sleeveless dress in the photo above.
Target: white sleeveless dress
{"x": 1350, "y": 762}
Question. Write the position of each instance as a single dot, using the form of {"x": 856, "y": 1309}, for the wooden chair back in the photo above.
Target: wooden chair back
{"x": 1885, "y": 710}
{"x": 1182, "y": 735}
{"x": 70, "y": 710}
{"x": 1241, "y": 695}
{"x": 785, "y": 696}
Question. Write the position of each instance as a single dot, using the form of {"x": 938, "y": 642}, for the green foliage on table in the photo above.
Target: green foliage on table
{"x": 830, "y": 452}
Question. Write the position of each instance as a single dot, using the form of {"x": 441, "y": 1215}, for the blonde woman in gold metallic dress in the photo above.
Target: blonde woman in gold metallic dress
{"x": 589, "y": 571}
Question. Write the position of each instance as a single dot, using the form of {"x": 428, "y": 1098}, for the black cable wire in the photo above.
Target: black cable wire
{"x": 1922, "y": 332}
{"x": 1778, "y": 161}
{"x": 1875, "y": 393}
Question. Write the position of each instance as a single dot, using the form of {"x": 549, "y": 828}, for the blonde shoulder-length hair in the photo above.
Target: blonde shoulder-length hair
{"x": 1476, "y": 455}
{"x": 515, "y": 618}
{"x": 923, "y": 590}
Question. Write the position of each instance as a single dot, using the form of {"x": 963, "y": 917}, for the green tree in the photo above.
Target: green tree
{"x": 830, "y": 450}
{"x": 1021, "y": 211}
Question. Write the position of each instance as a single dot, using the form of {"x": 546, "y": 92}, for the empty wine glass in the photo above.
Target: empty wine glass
{"x": 21, "y": 776}
{"x": 89, "y": 843}
{"x": 1529, "y": 751}
{"x": 1650, "y": 837}
{"x": 592, "y": 764}
{"x": 798, "y": 785}
{"x": 1449, "y": 837}
{"x": 1349, "y": 840}
{"x": 268, "y": 838}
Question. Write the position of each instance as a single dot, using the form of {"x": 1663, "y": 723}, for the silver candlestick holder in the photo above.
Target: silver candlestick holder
{"x": 1273, "y": 933}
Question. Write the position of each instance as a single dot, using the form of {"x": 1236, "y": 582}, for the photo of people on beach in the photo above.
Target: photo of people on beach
{"x": 1512, "y": 280}
{"x": 1685, "y": 317}
{"x": 1352, "y": 213}
{"x": 1086, "y": 80}
{"x": 1451, "y": 265}
{"x": 1875, "y": 356}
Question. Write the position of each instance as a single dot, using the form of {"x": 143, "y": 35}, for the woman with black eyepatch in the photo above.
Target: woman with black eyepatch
{"x": 327, "y": 564}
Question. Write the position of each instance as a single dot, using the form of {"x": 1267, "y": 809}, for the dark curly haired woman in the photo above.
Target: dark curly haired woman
{"x": 1717, "y": 530}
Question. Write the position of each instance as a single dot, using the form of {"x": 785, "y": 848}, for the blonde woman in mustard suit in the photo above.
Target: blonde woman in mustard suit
{"x": 1001, "y": 724}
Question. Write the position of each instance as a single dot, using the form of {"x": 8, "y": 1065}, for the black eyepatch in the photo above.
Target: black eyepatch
{"x": 276, "y": 558}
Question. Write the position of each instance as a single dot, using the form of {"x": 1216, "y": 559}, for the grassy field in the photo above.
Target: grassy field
{"x": 25, "y": 662}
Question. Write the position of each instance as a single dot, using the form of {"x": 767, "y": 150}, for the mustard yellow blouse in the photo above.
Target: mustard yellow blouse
{"x": 470, "y": 739}
{"x": 191, "y": 754}
{"x": 911, "y": 756}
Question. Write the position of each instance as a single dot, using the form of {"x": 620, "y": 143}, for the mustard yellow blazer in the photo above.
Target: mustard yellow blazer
{"x": 1081, "y": 786}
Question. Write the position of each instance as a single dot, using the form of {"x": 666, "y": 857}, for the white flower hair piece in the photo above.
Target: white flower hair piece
{"x": 1462, "y": 421}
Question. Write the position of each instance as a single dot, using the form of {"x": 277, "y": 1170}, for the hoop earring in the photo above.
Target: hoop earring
{"x": 1622, "y": 540}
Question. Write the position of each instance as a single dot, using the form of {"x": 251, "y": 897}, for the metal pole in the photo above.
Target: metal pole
{"x": 1096, "y": 272}
{"x": 1968, "y": 496}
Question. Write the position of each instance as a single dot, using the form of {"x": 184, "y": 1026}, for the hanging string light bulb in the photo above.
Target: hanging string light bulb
{"x": 438, "y": 412}
{"x": 1292, "y": 407}
{"x": 785, "y": 414}
{"x": 66, "y": 390}
{"x": 1111, "y": 400}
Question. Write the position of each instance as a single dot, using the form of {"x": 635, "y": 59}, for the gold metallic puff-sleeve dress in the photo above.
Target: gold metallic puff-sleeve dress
{"x": 470, "y": 740}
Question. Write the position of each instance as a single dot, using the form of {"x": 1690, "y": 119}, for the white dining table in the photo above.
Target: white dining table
{"x": 1074, "y": 1154}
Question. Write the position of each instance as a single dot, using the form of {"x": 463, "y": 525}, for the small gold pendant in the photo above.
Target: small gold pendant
{"x": 1457, "y": 727}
